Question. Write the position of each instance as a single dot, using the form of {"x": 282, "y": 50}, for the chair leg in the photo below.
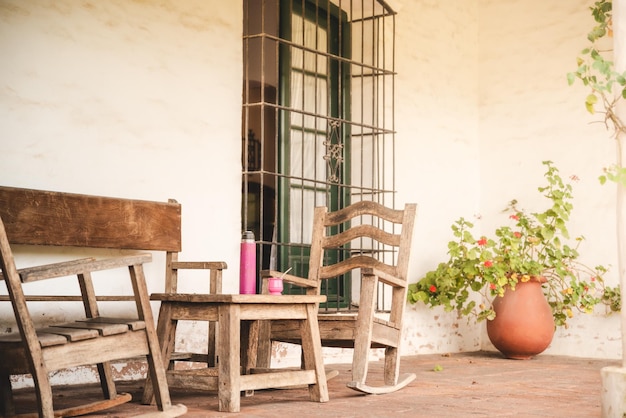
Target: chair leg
{"x": 43, "y": 389}
{"x": 364, "y": 324}
{"x": 106, "y": 380}
{"x": 6, "y": 396}
{"x": 312, "y": 355}
{"x": 166, "y": 333}
{"x": 392, "y": 366}
{"x": 360, "y": 362}
{"x": 156, "y": 363}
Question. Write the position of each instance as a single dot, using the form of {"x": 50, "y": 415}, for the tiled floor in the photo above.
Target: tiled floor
{"x": 479, "y": 384}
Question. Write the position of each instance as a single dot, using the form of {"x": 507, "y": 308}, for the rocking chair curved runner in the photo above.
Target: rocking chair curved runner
{"x": 364, "y": 233}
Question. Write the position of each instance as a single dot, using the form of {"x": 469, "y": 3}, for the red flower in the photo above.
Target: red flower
{"x": 482, "y": 242}
{"x": 492, "y": 286}
{"x": 488, "y": 263}
{"x": 432, "y": 288}
{"x": 517, "y": 234}
{"x": 514, "y": 217}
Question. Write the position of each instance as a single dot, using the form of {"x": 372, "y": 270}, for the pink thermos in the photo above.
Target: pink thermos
{"x": 247, "y": 267}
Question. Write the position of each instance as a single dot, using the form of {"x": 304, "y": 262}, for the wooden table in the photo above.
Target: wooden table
{"x": 238, "y": 319}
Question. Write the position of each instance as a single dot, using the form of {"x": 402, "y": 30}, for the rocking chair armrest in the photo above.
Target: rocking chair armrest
{"x": 70, "y": 268}
{"x": 289, "y": 278}
{"x": 384, "y": 277}
{"x": 30, "y": 270}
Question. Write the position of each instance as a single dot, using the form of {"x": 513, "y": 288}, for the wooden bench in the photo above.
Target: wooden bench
{"x": 37, "y": 217}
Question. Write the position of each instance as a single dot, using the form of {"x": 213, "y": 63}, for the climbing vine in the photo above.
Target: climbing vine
{"x": 596, "y": 70}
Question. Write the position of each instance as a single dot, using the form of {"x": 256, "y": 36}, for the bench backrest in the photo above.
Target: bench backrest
{"x": 39, "y": 217}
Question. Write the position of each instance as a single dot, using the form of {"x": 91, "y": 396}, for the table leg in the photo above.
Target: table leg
{"x": 229, "y": 324}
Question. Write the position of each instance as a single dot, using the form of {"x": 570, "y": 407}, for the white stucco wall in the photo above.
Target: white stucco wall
{"x": 127, "y": 99}
{"x": 528, "y": 114}
{"x": 143, "y": 100}
{"x": 438, "y": 163}
{"x": 482, "y": 101}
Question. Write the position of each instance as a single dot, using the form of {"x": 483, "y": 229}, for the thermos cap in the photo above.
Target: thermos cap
{"x": 248, "y": 236}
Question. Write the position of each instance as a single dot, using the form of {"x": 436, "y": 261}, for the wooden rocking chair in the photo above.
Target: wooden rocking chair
{"x": 364, "y": 240}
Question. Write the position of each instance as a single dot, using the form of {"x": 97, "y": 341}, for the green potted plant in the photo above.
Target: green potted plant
{"x": 531, "y": 248}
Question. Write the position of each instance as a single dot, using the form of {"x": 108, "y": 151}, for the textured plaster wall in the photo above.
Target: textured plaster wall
{"x": 528, "y": 114}
{"x": 482, "y": 100}
{"x": 129, "y": 99}
{"x": 438, "y": 164}
{"x": 123, "y": 98}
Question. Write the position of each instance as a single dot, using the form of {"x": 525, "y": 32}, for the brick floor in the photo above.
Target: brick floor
{"x": 481, "y": 384}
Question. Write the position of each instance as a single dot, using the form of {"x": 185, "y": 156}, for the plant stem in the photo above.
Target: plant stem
{"x": 619, "y": 31}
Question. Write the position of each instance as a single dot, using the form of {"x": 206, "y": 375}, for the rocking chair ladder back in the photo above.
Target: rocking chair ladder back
{"x": 382, "y": 262}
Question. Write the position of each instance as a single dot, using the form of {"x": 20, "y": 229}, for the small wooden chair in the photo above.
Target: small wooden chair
{"x": 363, "y": 238}
{"x": 215, "y": 269}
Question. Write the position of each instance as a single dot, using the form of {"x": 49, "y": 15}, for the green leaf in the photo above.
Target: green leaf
{"x": 592, "y": 99}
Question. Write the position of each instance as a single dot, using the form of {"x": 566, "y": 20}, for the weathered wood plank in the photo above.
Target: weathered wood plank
{"x": 70, "y": 269}
{"x": 96, "y": 350}
{"x": 133, "y": 324}
{"x": 202, "y": 379}
{"x": 277, "y": 379}
{"x": 72, "y": 334}
{"x": 87, "y": 408}
{"x": 239, "y": 299}
{"x": 45, "y": 339}
{"x": 102, "y": 328}
{"x": 39, "y": 217}
{"x": 69, "y": 298}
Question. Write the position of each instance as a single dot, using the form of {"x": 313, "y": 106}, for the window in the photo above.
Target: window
{"x": 317, "y": 120}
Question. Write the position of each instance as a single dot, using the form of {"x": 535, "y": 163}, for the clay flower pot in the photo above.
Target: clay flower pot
{"x": 524, "y": 325}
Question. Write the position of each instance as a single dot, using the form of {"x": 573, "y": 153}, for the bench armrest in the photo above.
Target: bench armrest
{"x": 70, "y": 268}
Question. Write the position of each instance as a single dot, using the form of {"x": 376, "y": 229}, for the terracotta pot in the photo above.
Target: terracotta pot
{"x": 523, "y": 326}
